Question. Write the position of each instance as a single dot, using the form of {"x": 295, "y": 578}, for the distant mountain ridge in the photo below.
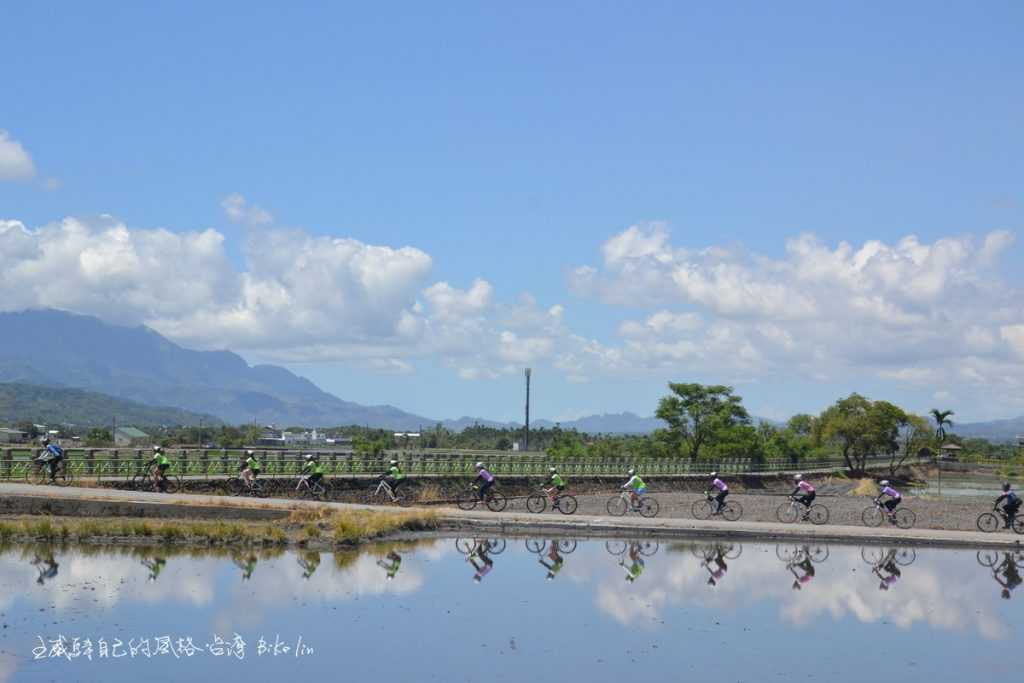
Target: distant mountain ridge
{"x": 994, "y": 430}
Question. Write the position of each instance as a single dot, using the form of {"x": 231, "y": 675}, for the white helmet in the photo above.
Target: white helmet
{"x": 309, "y": 456}
{"x": 631, "y": 471}
{"x": 714, "y": 474}
{"x": 249, "y": 452}
{"x": 552, "y": 469}
{"x": 798, "y": 477}
{"x": 884, "y": 482}
{"x": 479, "y": 465}
{"x": 394, "y": 462}
{"x": 157, "y": 449}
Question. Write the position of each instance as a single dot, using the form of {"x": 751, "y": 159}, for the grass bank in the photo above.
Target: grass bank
{"x": 315, "y": 528}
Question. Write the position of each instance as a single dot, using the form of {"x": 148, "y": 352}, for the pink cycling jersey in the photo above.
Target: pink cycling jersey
{"x": 805, "y": 486}
{"x": 719, "y": 484}
{"x": 890, "y": 491}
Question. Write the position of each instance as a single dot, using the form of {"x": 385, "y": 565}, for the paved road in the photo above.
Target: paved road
{"x": 523, "y": 523}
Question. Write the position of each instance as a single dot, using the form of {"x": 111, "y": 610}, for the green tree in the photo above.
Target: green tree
{"x": 98, "y": 437}
{"x": 697, "y": 414}
{"x": 844, "y": 425}
{"x": 942, "y": 421}
{"x": 915, "y": 433}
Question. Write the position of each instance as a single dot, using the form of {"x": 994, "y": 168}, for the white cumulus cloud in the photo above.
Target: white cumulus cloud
{"x": 15, "y": 161}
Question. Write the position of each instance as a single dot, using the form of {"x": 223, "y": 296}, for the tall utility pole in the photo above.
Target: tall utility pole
{"x": 526, "y": 444}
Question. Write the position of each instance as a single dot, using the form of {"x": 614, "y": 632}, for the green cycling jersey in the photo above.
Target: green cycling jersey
{"x": 312, "y": 467}
{"x": 251, "y": 464}
{"x": 160, "y": 459}
{"x": 556, "y": 480}
{"x": 396, "y": 472}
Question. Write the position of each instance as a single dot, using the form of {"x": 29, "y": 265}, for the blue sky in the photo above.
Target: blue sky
{"x": 513, "y": 145}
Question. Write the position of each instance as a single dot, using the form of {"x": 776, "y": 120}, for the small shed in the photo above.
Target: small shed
{"x": 128, "y": 436}
{"x": 12, "y": 435}
{"x": 950, "y": 451}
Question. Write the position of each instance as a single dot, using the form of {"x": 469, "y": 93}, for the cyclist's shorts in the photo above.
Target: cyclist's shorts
{"x": 561, "y": 488}
{"x": 163, "y": 468}
{"x": 642, "y": 490}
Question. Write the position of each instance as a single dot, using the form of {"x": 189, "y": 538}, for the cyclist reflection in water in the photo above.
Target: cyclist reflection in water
{"x": 806, "y": 573}
{"x": 1011, "y": 576}
{"x": 556, "y": 561}
{"x": 887, "y": 571}
{"x": 718, "y": 573}
{"x": 47, "y": 567}
{"x": 392, "y": 565}
{"x": 309, "y": 561}
{"x": 246, "y": 564}
{"x": 481, "y": 561}
{"x": 637, "y": 566}
{"x": 155, "y": 566}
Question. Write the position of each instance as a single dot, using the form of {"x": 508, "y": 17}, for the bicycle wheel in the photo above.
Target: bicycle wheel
{"x": 786, "y": 513}
{"x": 403, "y": 499}
{"x": 872, "y": 555}
{"x": 535, "y": 546}
{"x": 496, "y": 501}
{"x": 905, "y": 556}
{"x": 616, "y": 506}
{"x": 988, "y": 522}
{"x": 988, "y": 558}
{"x": 467, "y": 501}
{"x": 732, "y": 551}
{"x": 567, "y": 504}
{"x": 536, "y": 503}
{"x": 567, "y": 545}
{"x": 142, "y": 482}
{"x": 786, "y": 553}
{"x": 648, "y": 548}
{"x": 872, "y": 516}
{"x": 495, "y": 546}
{"x": 701, "y": 509}
{"x": 819, "y": 514}
{"x": 235, "y": 486}
{"x": 1018, "y": 525}
{"x": 732, "y": 511}
{"x": 258, "y": 489}
{"x": 64, "y": 477}
{"x": 817, "y": 554}
{"x": 615, "y": 547}
{"x": 648, "y": 507}
{"x": 37, "y": 474}
{"x": 905, "y": 518}
{"x": 465, "y": 545}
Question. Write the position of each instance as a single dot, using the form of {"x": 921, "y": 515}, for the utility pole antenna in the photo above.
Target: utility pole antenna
{"x": 526, "y": 444}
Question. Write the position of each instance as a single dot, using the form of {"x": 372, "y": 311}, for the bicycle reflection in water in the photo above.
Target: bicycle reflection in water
{"x": 390, "y": 565}
{"x": 479, "y": 555}
{"x": 47, "y": 567}
{"x": 634, "y": 552}
{"x": 155, "y": 565}
{"x": 716, "y": 554}
{"x": 309, "y": 561}
{"x": 247, "y": 563}
{"x": 886, "y": 562}
{"x": 1005, "y": 571}
{"x": 800, "y": 561}
{"x": 556, "y": 548}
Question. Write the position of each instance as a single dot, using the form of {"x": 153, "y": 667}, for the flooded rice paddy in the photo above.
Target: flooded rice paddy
{"x": 512, "y": 609}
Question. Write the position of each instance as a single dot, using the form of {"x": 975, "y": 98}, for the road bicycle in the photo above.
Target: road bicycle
{"x": 708, "y": 552}
{"x": 621, "y": 503}
{"x": 878, "y": 513}
{"x": 169, "y": 483}
{"x": 794, "y": 511}
{"x": 38, "y": 472}
{"x": 565, "y": 545}
{"x": 564, "y": 503}
{"x": 307, "y": 488}
{"x": 816, "y": 553}
{"x": 237, "y": 486}
{"x": 992, "y": 558}
{"x": 401, "y": 498}
{"x": 703, "y": 509}
{"x": 487, "y": 546}
{"x": 877, "y": 557}
{"x": 992, "y": 521}
{"x": 619, "y": 548}
{"x": 494, "y": 500}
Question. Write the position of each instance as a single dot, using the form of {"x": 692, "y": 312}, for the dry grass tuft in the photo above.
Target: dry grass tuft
{"x": 866, "y": 487}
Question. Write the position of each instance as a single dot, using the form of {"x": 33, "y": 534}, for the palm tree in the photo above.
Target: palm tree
{"x": 942, "y": 420}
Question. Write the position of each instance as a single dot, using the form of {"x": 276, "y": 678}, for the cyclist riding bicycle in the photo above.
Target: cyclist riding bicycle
{"x": 485, "y": 565}
{"x": 556, "y": 561}
{"x": 309, "y": 561}
{"x": 250, "y": 467}
{"x": 716, "y": 575}
{"x": 392, "y": 566}
{"x": 637, "y": 487}
{"x": 1012, "y": 503}
{"x": 637, "y": 565}
{"x": 557, "y": 485}
{"x": 895, "y": 498}
{"x": 486, "y": 478}
{"x": 158, "y": 466}
{"x": 892, "y": 572}
{"x": 394, "y": 476}
{"x": 52, "y": 454}
{"x": 312, "y": 470}
{"x": 1010, "y": 579}
{"x": 723, "y": 491}
{"x": 806, "y": 573}
{"x": 804, "y": 493}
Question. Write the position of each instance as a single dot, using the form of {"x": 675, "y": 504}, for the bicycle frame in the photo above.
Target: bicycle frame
{"x": 387, "y": 489}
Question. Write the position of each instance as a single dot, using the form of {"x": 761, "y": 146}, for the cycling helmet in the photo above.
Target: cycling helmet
{"x": 1006, "y": 486}
{"x": 45, "y": 441}
{"x": 631, "y": 471}
{"x": 714, "y": 475}
{"x": 394, "y": 462}
{"x": 552, "y": 470}
{"x": 884, "y": 482}
{"x": 479, "y": 465}
{"x": 157, "y": 449}
{"x": 308, "y": 456}
{"x": 250, "y": 452}
{"x": 798, "y": 477}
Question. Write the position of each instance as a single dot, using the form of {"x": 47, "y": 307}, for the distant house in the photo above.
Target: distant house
{"x": 12, "y": 435}
{"x": 129, "y": 436}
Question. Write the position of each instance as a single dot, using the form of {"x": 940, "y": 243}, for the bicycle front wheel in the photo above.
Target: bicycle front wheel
{"x": 786, "y": 553}
{"x": 988, "y": 522}
{"x": 818, "y": 514}
{"x": 905, "y": 556}
{"x": 732, "y": 511}
{"x": 467, "y": 501}
{"x": 615, "y": 547}
{"x": 732, "y": 551}
{"x": 496, "y": 502}
{"x": 787, "y": 514}
{"x": 648, "y": 548}
{"x": 535, "y": 546}
{"x": 872, "y": 555}
{"x": 536, "y": 502}
{"x": 817, "y": 553}
{"x": 649, "y": 507}
{"x": 465, "y": 545}
{"x": 616, "y": 506}
{"x": 258, "y": 490}
{"x": 567, "y": 504}
{"x": 567, "y": 545}
{"x": 37, "y": 474}
{"x": 987, "y": 558}
{"x": 701, "y": 509}
{"x": 495, "y": 546}
{"x": 872, "y": 516}
{"x": 1018, "y": 525}
{"x": 905, "y": 518}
